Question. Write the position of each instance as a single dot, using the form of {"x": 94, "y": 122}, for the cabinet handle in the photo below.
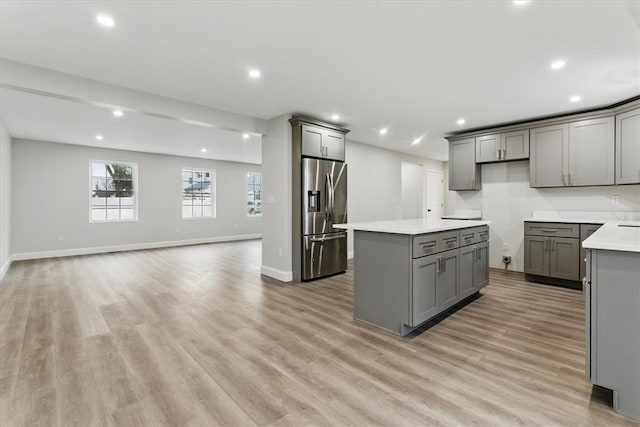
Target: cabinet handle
{"x": 427, "y": 245}
{"x": 504, "y": 154}
{"x": 550, "y": 230}
{"x": 546, "y": 245}
{"x": 552, "y": 245}
{"x": 438, "y": 265}
{"x": 443, "y": 261}
{"x": 475, "y": 253}
{"x": 498, "y": 154}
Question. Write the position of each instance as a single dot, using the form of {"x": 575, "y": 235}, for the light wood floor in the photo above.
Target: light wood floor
{"x": 194, "y": 336}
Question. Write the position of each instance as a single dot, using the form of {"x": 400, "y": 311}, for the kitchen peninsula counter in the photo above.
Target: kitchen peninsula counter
{"x": 406, "y": 272}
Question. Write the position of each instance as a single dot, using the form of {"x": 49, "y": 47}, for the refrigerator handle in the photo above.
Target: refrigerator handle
{"x": 329, "y": 204}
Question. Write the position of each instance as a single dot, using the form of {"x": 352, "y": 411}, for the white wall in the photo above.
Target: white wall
{"x": 50, "y": 197}
{"x": 276, "y": 202}
{"x": 374, "y": 185}
{"x": 5, "y": 199}
{"x": 506, "y": 199}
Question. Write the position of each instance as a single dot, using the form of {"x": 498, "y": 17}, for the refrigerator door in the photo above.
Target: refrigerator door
{"x": 324, "y": 195}
{"x": 323, "y": 255}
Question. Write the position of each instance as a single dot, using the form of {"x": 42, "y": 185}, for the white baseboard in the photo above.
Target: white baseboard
{"x": 5, "y": 266}
{"x": 350, "y": 255}
{"x": 283, "y": 276}
{"x": 131, "y": 247}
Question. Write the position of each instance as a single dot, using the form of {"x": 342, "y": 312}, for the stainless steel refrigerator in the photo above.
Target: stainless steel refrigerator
{"x": 324, "y": 203}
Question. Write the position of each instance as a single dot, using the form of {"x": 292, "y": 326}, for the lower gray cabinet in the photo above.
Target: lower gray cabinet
{"x": 474, "y": 268}
{"x": 447, "y": 283}
{"x": 552, "y": 250}
{"x": 564, "y": 253}
{"x": 424, "y": 300}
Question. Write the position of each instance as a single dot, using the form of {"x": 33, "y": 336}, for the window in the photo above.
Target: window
{"x": 198, "y": 198}
{"x": 254, "y": 194}
{"x": 113, "y": 191}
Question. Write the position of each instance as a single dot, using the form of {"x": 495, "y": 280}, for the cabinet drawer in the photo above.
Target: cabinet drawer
{"x": 425, "y": 244}
{"x": 433, "y": 243}
{"x": 473, "y": 235}
{"x": 554, "y": 229}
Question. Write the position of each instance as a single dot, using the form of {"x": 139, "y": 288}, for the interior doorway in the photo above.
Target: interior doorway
{"x": 412, "y": 188}
{"x": 434, "y": 196}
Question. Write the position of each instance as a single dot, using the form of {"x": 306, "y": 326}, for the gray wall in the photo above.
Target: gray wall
{"x": 50, "y": 197}
{"x": 374, "y": 182}
{"x": 5, "y": 197}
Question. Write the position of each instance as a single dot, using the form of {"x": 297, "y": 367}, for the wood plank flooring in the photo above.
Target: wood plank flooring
{"x": 194, "y": 336}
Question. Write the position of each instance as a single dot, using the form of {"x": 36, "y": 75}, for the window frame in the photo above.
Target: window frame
{"x": 214, "y": 204}
{"x": 134, "y": 178}
{"x": 246, "y": 187}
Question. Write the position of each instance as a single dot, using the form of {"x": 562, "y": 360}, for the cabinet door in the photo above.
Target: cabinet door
{"x": 515, "y": 145}
{"x": 564, "y": 253}
{"x": 467, "y": 255}
{"x": 334, "y": 145}
{"x": 536, "y": 255}
{"x": 628, "y": 147}
{"x": 447, "y": 284}
{"x": 481, "y": 266}
{"x": 591, "y": 152}
{"x": 312, "y": 141}
{"x": 463, "y": 172}
{"x": 424, "y": 301}
{"x": 549, "y": 156}
{"x": 488, "y": 148}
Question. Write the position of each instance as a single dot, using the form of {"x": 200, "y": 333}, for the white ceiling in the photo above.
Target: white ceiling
{"x": 415, "y": 67}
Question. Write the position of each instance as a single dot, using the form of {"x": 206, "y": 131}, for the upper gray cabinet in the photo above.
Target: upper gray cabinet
{"x": 502, "y": 147}
{"x": 549, "y": 152}
{"x": 464, "y": 174}
{"x": 628, "y": 147}
{"x": 575, "y": 154}
{"x": 312, "y": 138}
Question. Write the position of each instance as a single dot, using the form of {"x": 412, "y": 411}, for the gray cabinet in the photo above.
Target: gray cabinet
{"x": 464, "y": 174}
{"x": 612, "y": 320}
{"x": 447, "y": 284}
{"x": 591, "y": 152}
{"x": 586, "y": 230}
{"x": 549, "y": 154}
{"x": 628, "y": 147}
{"x": 424, "y": 301}
{"x": 575, "y": 154}
{"x": 502, "y": 147}
{"x": 312, "y": 138}
{"x": 552, "y": 250}
{"x": 474, "y": 268}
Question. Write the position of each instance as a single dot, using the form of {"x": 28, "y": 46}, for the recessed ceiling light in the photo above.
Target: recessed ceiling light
{"x": 254, "y": 74}
{"x": 99, "y": 137}
{"x": 556, "y": 65}
{"x": 461, "y": 121}
{"x": 118, "y": 113}
{"x": 575, "y": 98}
{"x": 105, "y": 20}
{"x": 520, "y": 2}
{"x": 245, "y": 135}
{"x": 335, "y": 117}
{"x": 383, "y": 131}
{"x": 416, "y": 141}
{"x": 204, "y": 150}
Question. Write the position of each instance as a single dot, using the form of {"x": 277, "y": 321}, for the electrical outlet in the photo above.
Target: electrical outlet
{"x": 60, "y": 237}
{"x": 280, "y": 251}
{"x": 366, "y": 200}
{"x": 615, "y": 199}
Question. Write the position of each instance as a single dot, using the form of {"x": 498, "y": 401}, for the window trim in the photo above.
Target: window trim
{"x": 214, "y": 193}
{"x": 134, "y": 167}
{"x": 246, "y": 184}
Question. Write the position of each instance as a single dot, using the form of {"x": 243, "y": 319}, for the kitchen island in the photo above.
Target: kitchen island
{"x": 612, "y": 308}
{"x": 406, "y": 272}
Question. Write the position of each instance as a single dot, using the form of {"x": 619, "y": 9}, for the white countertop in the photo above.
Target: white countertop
{"x": 614, "y": 236}
{"x": 411, "y": 226}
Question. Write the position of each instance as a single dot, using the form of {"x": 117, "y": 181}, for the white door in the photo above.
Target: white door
{"x": 411, "y": 183}
{"x": 434, "y": 197}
